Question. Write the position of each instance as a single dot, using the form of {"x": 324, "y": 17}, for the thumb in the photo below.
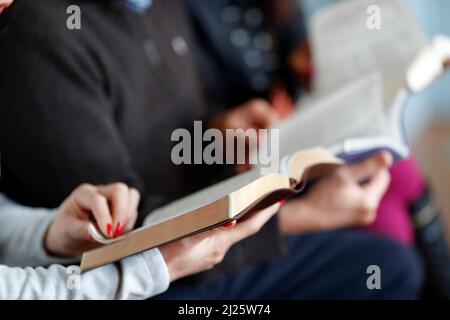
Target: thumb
{"x": 79, "y": 230}
{"x": 377, "y": 186}
{"x": 370, "y": 166}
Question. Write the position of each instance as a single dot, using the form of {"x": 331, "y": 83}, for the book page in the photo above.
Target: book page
{"x": 201, "y": 198}
{"x": 345, "y": 49}
{"x": 354, "y": 111}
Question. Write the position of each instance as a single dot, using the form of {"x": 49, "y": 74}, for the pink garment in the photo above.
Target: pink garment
{"x": 393, "y": 220}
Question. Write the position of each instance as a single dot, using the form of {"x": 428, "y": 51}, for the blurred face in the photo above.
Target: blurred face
{"x": 4, "y": 4}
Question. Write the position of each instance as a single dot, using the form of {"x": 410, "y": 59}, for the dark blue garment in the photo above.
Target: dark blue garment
{"x": 241, "y": 51}
{"x": 328, "y": 265}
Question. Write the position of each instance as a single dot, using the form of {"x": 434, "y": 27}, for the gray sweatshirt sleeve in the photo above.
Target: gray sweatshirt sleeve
{"x": 137, "y": 277}
{"x": 22, "y": 232}
{"x": 21, "y": 243}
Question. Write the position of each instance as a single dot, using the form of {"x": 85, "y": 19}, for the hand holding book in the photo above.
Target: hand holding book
{"x": 205, "y": 250}
{"x": 116, "y": 204}
{"x": 341, "y": 196}
{"x": 346, "y": 198}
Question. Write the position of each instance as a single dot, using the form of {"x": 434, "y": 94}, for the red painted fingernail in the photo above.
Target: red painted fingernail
{"x": 109, "y": 230}
{"x": 230, "y": 224}
{"x": 119, "y": 230}
{"x": 282, "y": 202}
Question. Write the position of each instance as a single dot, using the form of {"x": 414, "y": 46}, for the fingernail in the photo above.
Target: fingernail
{"x": 119, "y": 230}
{"x": 282, "y": 202}
{"x": 109, "y": 230}
{"x": 229, "y": 224}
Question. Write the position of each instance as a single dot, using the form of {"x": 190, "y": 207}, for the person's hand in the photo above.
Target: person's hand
{"x": 255, "y": 114}
{"x": 112, "y": 207}
{"x": 204, "y": 251}
{"x": 340, "y": 200}
{"x": 4, "y": 4}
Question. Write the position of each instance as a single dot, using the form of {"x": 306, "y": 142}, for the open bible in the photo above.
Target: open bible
{"x": 232, "y": 199}
{"x": 364, "y": 79}
{"x": 351, "y": 123}
{"x": 346, "y": 48}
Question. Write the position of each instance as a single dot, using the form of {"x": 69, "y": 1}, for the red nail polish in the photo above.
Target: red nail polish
{"x": 119, "y": 230}
{"x": 229, "y": 224}
{"x": 282, "y": 202}
{"x": 109, "y": 230}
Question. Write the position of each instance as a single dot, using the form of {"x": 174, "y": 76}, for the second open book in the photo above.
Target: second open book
{"x": 216, "y": 205}
{"x": 364, "y": 80}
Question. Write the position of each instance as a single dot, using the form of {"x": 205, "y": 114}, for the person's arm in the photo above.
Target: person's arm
{"x": 137, "y": 277}
{"x": 38, "y": 236}
{"x": 22, "y": 233}
{"x": 27, "y": 235}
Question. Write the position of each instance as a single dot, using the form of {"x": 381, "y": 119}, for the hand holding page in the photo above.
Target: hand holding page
{"x": 97, "y": 235}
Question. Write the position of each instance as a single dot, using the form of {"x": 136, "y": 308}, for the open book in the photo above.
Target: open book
{"x": 346, "y": 49}
{"x": 214, "y": 206}
{"x": 364, "y": 78}
{"x": 350, "y": 123}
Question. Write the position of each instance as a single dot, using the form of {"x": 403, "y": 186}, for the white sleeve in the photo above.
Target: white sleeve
{"x": 22, "y": 232}
{"x": 137, "y": 277}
